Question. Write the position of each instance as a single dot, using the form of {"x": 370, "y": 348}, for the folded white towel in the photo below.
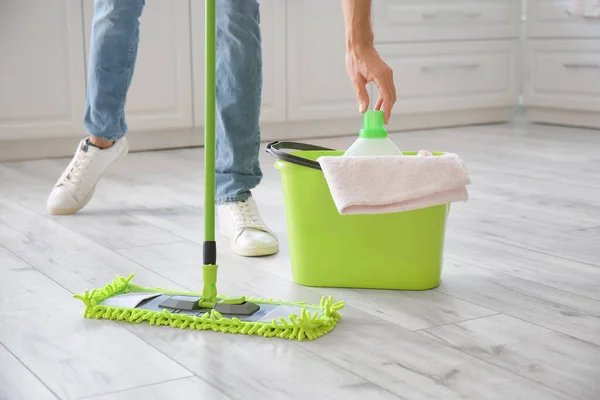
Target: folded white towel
{"x": 388, "y": 184}
{"x": 585, "y": 8}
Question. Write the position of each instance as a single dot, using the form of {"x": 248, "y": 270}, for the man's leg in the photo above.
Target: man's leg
{"x": 113, "y": 51}
{"x": 239, "y": 86}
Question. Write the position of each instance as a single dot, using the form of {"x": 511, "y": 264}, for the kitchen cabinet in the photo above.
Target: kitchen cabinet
{"x": 42, "y": 70}
{"x": 318, "y": 87}
{"x": 562, "y": 68}
{"x": 442, "y": 20}
{"x": 274, "y": 50}
{"x": 551, "y": 19}
{"x": 451, "y": 77}
{"x": 455, "y": 62}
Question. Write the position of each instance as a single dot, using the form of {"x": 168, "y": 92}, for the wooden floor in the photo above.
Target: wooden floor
{"x": 516, "y": 317}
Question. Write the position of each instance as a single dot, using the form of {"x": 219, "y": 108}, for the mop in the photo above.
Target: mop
{"x": 122, "y": 300}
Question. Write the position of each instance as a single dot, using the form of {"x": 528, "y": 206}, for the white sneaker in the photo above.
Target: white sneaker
{"x": 241, "y": 223}
{"x": 77, "y": 184}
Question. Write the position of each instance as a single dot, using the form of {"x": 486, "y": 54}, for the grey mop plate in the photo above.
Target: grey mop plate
{"x": 188, "y": 303}
{"x": 181, "y": 303}
{"x": 237, "y": 309}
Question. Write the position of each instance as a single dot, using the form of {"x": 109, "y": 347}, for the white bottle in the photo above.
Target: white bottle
{"x": 373, "y": 138}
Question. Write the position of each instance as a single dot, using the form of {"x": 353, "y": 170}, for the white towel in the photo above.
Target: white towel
{"x": 585, "y": 8}
{"x": 388, "y": 184}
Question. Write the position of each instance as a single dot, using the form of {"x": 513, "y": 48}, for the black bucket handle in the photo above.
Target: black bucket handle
{"x": 275, "y": 149}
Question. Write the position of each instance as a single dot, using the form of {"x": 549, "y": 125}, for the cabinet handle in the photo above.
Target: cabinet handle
{"x": 450, "y": 15}
{"x": 570, "y": 14}
{"x": 431, "y": 68}
{"x": 573, "y": 65}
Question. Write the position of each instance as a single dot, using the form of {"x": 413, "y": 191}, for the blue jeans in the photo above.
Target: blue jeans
{"x": 113, "y": 52}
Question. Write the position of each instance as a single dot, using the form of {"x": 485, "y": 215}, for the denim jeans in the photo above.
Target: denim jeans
{"x": 113, "y": 52}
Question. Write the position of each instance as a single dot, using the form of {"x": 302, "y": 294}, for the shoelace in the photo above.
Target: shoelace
{"x": 75, "y": 173}
{"x": 246, "y": 217}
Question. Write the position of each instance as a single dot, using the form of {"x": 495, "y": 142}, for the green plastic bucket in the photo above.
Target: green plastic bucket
{"x": 383, "y": 251}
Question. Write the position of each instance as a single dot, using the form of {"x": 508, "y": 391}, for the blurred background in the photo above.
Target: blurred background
{"x": 456, "y": 63}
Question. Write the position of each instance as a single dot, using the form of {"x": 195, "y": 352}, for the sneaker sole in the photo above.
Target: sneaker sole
{"x": 253, "y": 251}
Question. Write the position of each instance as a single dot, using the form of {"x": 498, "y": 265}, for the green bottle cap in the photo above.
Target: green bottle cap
{"x": 373, "y": 125}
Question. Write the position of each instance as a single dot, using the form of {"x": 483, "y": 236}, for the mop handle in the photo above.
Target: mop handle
{"x": 210, "y": 247}
{"x": 209, "y": 122}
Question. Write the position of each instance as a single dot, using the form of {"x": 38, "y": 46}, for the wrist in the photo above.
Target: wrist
{"x": 358, "y": 43}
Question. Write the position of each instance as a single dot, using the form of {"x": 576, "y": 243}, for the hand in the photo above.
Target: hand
{"x": 364, "y": 65}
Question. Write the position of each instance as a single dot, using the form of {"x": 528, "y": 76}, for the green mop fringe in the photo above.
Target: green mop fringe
{"x": 314, "y": 321}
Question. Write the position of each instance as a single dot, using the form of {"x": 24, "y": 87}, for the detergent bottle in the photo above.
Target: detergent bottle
{"x": 373, "y": 138}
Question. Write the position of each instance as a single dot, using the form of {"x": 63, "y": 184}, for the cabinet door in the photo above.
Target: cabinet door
{"x": 442, "y": 77}
{"x": 551, "y": 19}
{"x": 198, "y": 46}
{"x": 418, "y": 20}
{"x": 273, "y": 48}
{"x": 273, "y": 57}
{"x": 42, "y": 72}
{"x": 160, "y": 96}
{"x": 563, "y": 74}
{"x": 318, "y": 87}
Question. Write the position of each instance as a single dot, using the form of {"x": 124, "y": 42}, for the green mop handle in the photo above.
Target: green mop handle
{"x": 210, "y": 248}
{"x": 209, "y": 269}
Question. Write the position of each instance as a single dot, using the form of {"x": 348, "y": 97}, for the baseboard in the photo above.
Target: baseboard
{"x": 31, "y": 149}
{"x": 573, "y": 118}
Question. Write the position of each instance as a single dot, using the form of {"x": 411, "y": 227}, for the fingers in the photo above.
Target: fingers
{"x": 387, "y": 92}
{"x": 362, "y": 94}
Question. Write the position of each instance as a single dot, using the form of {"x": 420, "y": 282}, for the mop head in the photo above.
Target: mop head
{"x": 122, "y": 300}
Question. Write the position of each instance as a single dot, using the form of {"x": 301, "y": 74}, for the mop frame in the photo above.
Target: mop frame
{"x": 313, "y": 322}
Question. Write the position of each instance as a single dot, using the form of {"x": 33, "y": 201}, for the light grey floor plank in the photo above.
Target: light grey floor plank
{"x": 45, "y": 329}
{"x": 553, "y": 359}
{"x": 552, "y": 308}
{"x": 106, "y": 221}
{"x": 561, "y": 244}
{"x": 525, "y": 184}
{"x": 487, "y": 207}
{"x": 74, "y": 261}
{"x": 117, "y": 230}
{"x": 17, "y": 382}
{"x": 400, "y": 361}
{"x": 185, "y": 221}
{"x": 571, "y": 276}
{"x": 592, "y": 232}
{"x": 192, "y": 388}
{"x": 245, "y": 367}
{"x": 412, "y": 310}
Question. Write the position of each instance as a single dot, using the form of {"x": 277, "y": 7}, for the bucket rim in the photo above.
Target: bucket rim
{"x": 276, "y": 150}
